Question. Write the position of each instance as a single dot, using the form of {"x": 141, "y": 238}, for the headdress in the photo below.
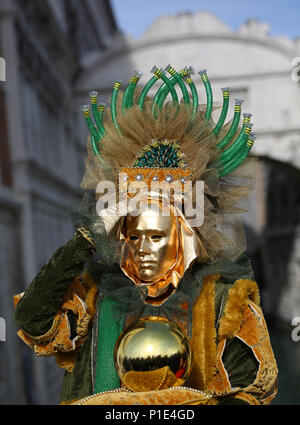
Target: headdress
{"x": 156, "y": 139}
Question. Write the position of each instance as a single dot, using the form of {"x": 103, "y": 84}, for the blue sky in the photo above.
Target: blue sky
{"x": 135, "y": 16}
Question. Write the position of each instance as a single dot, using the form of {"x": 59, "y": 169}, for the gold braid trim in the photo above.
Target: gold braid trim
{"x": 203, "y": 341}
{"x": 238, "y": 299}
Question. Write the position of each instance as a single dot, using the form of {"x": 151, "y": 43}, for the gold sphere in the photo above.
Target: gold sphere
{"x": 151, "y": 354}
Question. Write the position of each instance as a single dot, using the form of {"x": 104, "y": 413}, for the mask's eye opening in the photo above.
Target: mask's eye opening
{"x": 156, "y": 237}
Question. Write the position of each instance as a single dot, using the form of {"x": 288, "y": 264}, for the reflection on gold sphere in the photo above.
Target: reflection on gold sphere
{"x": 152, "y": 354}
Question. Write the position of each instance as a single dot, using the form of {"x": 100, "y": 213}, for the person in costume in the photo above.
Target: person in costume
{"x": 123, "y": 273}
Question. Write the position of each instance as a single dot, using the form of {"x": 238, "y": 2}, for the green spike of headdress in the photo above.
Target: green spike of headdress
{"x": 129, "y": 92}
{"x": 158, "y": 99}
{"x": 95, "y": 135}
{"x": 194, "y": 92}
{"x": 237, "y": 160}
{"x": 224, "y": 111}
{"x": 157, "y": 74}
{"x": 164, "y": 89}
{"x": 234, "y": 125}
{"x": 209, "y": 95}
{"x": 113, "y": 103}
{"x": 167, "y": 153}
{"x": 97, "y": 112}
{"x": 178, "y": 79}
{"x": 236, "y": 146}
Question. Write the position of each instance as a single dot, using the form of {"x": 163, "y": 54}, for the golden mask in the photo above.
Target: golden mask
{"x": 157, "y": 249}
{"x": 152, "y": 243}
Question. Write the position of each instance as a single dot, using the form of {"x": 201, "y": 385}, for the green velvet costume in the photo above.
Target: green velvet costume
{"x": 43, "y": 298}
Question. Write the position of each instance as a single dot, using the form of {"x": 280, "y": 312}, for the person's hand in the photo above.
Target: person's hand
{"x": 86, "y": 234}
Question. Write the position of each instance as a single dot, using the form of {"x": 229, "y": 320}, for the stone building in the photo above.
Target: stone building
{"x": 258, "y": 68}
{"x": 45, "y": 44}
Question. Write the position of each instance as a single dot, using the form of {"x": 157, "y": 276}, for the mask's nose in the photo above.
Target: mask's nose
{"x": 144, "y": 246}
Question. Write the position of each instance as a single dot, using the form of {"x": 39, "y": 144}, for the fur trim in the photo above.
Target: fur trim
{"x": 203, "y": 341}
{"x": 66, "y": 360}
{"x": 243, "y": 291}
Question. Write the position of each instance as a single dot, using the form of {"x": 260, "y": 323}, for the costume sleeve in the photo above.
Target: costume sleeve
{"x": 246, "y": 370}
{"x": 36, "y": 309}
